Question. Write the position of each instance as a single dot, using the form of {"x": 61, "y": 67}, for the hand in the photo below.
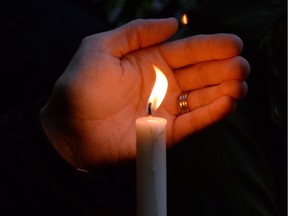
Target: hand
{"x": 90, "y": 117}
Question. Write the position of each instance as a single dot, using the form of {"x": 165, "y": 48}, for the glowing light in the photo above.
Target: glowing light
{"x": 159, "y": 90}
{"x": 184, "y": 19}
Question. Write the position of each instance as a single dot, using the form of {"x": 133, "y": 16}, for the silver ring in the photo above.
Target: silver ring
{"x": 183, "y": 103}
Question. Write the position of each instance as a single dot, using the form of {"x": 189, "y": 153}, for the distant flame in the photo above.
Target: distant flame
{"x": 159, "y": 90}
{"x": 184, "y": 19}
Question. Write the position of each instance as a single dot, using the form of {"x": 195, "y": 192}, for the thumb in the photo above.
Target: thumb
{"x": 138, "y": 34}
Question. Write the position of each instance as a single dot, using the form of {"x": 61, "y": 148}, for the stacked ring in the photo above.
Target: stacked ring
{"x": 183, "y": 102}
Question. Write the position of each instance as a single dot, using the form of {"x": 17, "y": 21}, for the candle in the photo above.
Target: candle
{"x": 151, "y": 155}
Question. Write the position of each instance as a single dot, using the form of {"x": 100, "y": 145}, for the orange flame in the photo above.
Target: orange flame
{"x": 159, "y": 90}
{"x": 184, "y": 19}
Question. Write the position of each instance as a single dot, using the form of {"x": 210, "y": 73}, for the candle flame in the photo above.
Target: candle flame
{"x": 184, "y": 19}
{"x": 159, "y": 90}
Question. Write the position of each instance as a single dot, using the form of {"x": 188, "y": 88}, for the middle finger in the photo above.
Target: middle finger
{"x": 212, "y": 73}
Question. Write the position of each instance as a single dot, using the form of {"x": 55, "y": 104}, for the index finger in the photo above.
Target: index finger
{"x": 200, "y": 48}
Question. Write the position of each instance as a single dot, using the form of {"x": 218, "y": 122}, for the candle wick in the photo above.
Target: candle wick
{"x": 149, "y": 109}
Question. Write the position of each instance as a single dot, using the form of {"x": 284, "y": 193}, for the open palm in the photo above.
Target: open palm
{"x": 90, "y": 117}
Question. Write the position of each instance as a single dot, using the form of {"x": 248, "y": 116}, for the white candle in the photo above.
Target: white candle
{"x": 151, "y": 155}
{"x": 151, "y": 166}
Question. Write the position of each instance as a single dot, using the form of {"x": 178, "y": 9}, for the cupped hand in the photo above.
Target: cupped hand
{"x": 90, "y": 117}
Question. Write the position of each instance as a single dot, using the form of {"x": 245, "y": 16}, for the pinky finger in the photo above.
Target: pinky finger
{"x": 194, "y": 121}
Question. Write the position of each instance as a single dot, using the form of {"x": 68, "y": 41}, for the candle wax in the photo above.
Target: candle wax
{"x": 151, "y": 166}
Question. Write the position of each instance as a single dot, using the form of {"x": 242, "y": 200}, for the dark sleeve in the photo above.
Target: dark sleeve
{"x": 37, "y": 181}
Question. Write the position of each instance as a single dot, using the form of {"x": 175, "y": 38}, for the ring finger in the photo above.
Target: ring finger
{"x": 234, "y": 88}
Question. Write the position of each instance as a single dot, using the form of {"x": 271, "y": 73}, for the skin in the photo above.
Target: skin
{"x": 90, "y": 116}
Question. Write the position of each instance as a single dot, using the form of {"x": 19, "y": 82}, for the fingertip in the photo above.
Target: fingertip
{"x": 173, "y": 21}
{"x": 170, "y": 23}
{"x": 230, "y": 45}
{"x": 246, "y": 66}
{"x": 245, "y": 89}
{"x": 236, "y": 89}
{"x": 237, "y": 41}
{"x": 227, "y": 105}
{"x": 221, "y": 108}
{"x": 240, "y": 66}
{"x": 157, "y": 25}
